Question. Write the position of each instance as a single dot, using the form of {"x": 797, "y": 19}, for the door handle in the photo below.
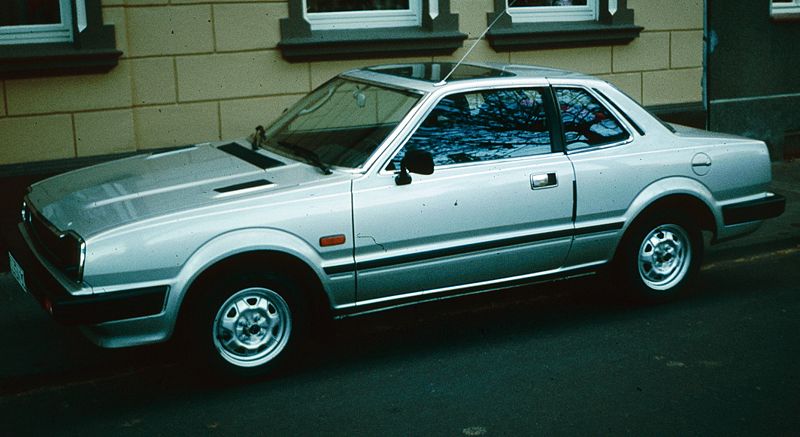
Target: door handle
{"x": 543, "y": 180}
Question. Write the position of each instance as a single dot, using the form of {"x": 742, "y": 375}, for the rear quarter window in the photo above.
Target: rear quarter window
{"x": 587, "y": 123}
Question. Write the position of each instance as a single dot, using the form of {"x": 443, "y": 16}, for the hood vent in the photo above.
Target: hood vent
{"x": 244, "y": 186}
{"x": 255, "y": 158}
{"x": 172, "y": 151}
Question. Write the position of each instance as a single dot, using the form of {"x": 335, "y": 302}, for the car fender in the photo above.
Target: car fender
{"x": 237, "y": 242}
{"x": 662, "y": 188}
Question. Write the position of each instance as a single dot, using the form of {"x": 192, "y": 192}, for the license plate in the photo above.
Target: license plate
{"x": 17, "y": 272}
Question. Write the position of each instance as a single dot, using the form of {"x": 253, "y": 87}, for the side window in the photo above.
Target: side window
{"x": 482, "y": 126}
{"x": 586, "y": 122}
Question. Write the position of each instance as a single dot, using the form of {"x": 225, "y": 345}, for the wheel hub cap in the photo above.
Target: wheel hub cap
{"x": 664, "y": 257}
{"x": 252, "y": 327}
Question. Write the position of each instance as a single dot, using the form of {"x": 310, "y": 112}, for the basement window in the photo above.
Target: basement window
{"x": 41, "y": 21}
{"x": 361, "y": 29}
{"x": 785, "y": 10}
{"x": 545, "y": 24}
{"x": 355, "y": 14}
{"x": 531, "y": 11}
{"x": 54, "y": 37}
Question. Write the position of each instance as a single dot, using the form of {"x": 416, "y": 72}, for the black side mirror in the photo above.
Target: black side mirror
{"x": 415, "y": 161}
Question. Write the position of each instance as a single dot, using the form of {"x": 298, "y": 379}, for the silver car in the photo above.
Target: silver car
{"x": 385, "y": 186}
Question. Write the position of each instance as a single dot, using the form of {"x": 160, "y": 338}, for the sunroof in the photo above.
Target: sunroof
{"x": 436, "y": 71}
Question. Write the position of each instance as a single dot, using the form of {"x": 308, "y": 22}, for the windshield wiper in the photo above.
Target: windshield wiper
{"x": 308, "y": 155}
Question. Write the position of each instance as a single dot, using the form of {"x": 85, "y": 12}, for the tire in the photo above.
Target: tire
{"x": 247, "y": 324}
{"x": 659, "y": 257}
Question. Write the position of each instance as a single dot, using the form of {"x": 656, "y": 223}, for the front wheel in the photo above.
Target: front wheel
{"x": 252, "y": 327}
{"x": 659, "y": 257}
{"x": 247, "y": 324}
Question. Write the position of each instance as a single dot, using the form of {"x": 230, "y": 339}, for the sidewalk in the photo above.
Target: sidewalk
{"x": 782, "y": 229}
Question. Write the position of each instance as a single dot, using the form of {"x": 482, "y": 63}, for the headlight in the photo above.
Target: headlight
{"x": 73, "y": 255}
{"x": 65, "y": 250}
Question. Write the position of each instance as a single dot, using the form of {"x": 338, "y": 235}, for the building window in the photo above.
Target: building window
{"x": 54, "y": 37}
{"x": 536, "y": 24}
{"x": 530, "y": 11}
{"x": 784, "y": 7}
{"x": 347, "y": 29}
{"x": 356, "y": 14}
{"x": 36, "y": 21}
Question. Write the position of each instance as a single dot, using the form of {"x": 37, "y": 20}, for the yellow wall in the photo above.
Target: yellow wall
{"x": 201, "y": 70}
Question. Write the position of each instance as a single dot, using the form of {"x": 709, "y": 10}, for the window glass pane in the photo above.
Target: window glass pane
{"x": 785, "y": 6}
{"x": 586, "y": 122}
{"x": 342, "y": 121}
{"x": 530, "y": 3}
{"x": 27, "y": 12}
{"x": 355, "y": 5}
{"x": 533, "y": 11}
{"x": 483, "y": 126}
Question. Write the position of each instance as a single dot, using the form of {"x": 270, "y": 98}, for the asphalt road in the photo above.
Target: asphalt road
{"x": 555, "y": 360}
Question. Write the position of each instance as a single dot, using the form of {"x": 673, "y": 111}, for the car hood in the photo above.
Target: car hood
{"x": 91, "y": 200}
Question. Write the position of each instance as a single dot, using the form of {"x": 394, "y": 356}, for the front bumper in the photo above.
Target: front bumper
{"x": 85, "y": 309}
{"x": 753, "y": 210}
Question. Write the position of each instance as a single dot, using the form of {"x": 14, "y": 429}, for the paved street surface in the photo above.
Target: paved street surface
{"x": 561, "y": 359}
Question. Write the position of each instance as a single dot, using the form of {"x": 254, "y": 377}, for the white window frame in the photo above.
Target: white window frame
{"x": 411, "y": 17}
{"x": 539, "y": 14}
{"x": 46, "y": 33}
{"x": 785, "y": 8}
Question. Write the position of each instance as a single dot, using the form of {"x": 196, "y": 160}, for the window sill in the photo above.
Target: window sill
{"x": 525, "y": 36}
{"x": 32, "y": 60}
{"x": 370, "y": 43}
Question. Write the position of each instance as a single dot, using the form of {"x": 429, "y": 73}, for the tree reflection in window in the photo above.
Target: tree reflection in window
{"x": 483, "y": 126}
{"x": 586, "y": 122}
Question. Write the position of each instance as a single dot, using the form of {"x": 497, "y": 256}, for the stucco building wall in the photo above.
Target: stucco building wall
{"x": 204, "y": 70}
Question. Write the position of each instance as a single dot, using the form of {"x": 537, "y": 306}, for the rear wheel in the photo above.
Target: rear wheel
{"x": 659, "y": 257}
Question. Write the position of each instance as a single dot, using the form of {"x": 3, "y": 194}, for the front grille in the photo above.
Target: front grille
{"x": 65, "y": 250}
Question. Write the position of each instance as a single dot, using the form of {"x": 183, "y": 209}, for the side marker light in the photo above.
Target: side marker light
{"x": 331, "y": 240}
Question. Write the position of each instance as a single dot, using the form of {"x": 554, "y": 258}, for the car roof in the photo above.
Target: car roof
{"x": 425, "y": 76}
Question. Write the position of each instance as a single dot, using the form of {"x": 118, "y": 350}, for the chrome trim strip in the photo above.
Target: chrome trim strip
{"x": 388, "y": 303}
{"x": 470, "y": 248}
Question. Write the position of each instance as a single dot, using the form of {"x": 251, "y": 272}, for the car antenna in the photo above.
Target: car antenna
{"x": 480, "y": 37}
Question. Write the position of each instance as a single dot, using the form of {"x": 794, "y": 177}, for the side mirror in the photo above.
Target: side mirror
{"x": 415, "y": 161}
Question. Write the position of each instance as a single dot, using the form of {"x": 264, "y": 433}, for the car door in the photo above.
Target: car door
{"x": 607, "y": 178}
{"x": 497, "y": 208}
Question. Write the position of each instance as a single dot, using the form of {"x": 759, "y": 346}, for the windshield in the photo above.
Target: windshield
{"x": 342, "y": 122}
